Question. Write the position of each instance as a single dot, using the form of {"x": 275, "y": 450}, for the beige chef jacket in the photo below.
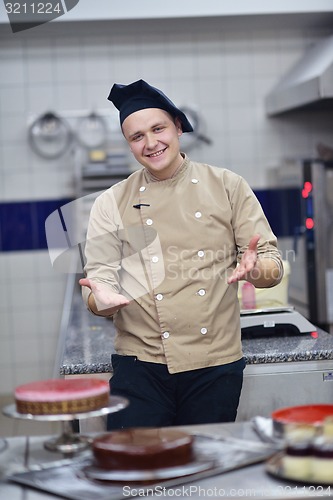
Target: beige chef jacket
{"x": 169, "y": 246}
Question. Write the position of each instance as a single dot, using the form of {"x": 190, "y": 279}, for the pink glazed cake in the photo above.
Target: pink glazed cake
{"x": 61, "y": 396}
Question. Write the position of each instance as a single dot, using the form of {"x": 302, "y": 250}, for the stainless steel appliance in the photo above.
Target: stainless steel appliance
{"x": 268, "y": 386}
{"x": 309, "y": 249}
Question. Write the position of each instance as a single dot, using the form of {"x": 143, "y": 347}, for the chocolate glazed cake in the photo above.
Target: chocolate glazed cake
{"x": 142, "y": 449}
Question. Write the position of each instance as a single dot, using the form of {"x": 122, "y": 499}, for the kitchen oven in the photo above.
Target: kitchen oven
{"x": 308, "y": 245}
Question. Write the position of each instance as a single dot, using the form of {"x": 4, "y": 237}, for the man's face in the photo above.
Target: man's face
{"x": 153, "y": 137}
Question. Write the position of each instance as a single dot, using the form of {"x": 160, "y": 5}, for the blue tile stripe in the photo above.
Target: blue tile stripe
{"x": 22, "y": 224}
{"x": 283, "y": 209}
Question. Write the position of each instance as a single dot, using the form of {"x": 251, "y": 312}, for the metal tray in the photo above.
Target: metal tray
{"x": 212, "y": 456}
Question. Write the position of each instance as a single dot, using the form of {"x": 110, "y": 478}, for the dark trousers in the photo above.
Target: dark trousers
{"x": 159, "y": 399}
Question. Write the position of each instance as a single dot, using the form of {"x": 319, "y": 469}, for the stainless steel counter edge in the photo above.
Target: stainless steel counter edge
{"x": 250, "y": 481}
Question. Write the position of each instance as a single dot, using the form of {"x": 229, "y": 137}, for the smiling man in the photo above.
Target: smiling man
{"x": 154, "y": 141}
{"x": 165, "y": 249}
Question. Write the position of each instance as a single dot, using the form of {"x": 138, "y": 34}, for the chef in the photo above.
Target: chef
{"x": 164, "y": 252}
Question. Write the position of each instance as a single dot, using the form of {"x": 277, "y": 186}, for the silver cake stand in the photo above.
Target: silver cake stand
{"x": 68, "y": 442}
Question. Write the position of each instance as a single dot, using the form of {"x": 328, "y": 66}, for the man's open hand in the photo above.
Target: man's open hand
{"x": 247, "y": 262}
{"x": 104, "y": 298}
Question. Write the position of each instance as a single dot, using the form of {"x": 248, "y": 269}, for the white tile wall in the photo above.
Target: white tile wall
{"x": 31, "y": 302}
{"x": 222, "y": 74}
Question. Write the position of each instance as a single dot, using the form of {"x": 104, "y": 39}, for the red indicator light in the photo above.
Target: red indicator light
{"x": 309, "y": 223}
{"x": 314, "y": 335}
{"x": 308, "y": 186}
{"x": 305, "y": 194}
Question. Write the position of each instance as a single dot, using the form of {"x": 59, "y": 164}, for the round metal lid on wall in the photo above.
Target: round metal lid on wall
{"x": 50, "y": 136}
{"x": 189, "y": 141}
{"x": 91, "y": 131}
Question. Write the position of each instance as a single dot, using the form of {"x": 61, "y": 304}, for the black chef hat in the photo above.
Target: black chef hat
{"x": 140, "y": 95}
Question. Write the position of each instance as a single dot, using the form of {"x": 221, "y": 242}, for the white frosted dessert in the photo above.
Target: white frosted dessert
{"x": 322, "y": 467}
{"x": 322, "y": 459}
{"x": 297, "y": 467}
{"x": 297, "y": 460}
{"x": 61, "y": 396}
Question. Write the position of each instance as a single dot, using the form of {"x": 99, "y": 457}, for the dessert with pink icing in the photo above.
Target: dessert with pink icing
{"x": 61, "y": 396}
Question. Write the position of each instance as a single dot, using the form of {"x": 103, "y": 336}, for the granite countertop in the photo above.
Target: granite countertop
{"x": 87, "y": 344}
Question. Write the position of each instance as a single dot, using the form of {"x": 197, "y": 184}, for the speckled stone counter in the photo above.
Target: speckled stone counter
{"x": 87, "y": 344}
{"x": 281, "y": 349}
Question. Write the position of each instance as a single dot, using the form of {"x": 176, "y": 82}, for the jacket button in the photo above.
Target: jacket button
{"x": 203, "y": 331}
{"x": 159, "y": 296}
{"x": 198, "y": 215}
{"x": 142, "y": 188}
{"x": 194, "y": 181}
{"x": 154, "y": 259}
{"x": 149, "y": 222}
{"x": 201, "y": 253}
{"x": 202, "y": 292}
{"x": 166, "y": 335}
